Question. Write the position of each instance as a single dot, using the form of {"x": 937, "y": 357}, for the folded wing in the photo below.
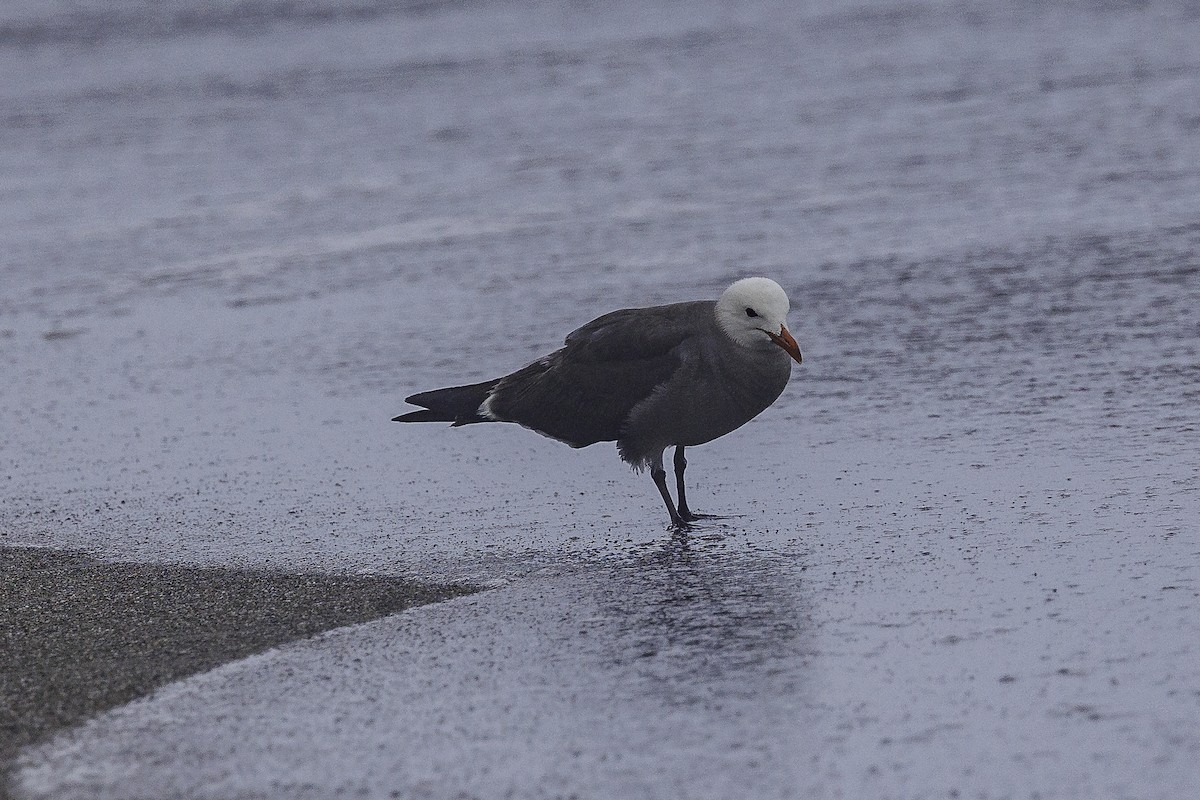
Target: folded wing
{"x": 584, "y": 392}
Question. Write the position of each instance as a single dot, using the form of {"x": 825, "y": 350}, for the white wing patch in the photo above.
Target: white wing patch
{"x": 485, "y": 408}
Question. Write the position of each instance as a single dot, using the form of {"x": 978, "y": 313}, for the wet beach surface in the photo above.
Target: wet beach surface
{"x": 959, "y": 557}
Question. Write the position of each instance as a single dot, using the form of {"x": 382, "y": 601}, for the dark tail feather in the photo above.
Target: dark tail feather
{"x": 456, "y": 404}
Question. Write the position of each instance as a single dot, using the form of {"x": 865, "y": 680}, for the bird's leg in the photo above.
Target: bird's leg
{"x": 680, "y": 465}
{"x": 685, "y": 513}
{"x": 660, "y": 480}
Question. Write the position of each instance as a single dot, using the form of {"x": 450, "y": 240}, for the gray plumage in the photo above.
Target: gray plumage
{"x": 647, "y": 378}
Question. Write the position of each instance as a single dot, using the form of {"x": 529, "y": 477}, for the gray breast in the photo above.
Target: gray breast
{"x": 719, "y": 387}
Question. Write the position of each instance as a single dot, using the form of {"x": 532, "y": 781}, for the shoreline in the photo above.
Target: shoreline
{"x": 80, "y": 636}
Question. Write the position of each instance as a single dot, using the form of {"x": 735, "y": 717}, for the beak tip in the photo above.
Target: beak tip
{"x": 787, "y": 343}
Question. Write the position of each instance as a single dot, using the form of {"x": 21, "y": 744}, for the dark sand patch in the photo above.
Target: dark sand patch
{"x": 78, "y": 636}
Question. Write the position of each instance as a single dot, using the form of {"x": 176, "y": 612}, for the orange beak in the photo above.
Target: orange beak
{"x": 784, "y": 339}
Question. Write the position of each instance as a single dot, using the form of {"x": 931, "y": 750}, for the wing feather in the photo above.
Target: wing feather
{"x": 584, "y": 392}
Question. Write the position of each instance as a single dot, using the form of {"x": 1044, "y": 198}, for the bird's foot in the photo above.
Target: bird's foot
{"x": 693, "y": 516}
{"x": 684, "y": 522}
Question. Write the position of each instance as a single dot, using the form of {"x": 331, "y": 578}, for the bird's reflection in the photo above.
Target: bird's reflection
{"x": 696, "y": 619}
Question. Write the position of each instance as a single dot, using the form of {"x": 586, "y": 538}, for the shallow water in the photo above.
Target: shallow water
{"x": 960, "y": 556}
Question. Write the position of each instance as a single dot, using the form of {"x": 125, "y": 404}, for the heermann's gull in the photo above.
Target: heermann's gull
{"x": 648, "y": 378}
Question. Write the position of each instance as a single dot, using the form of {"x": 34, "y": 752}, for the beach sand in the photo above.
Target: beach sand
{"x": 81, "y": 636}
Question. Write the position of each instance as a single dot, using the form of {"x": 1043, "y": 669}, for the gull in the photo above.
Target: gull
{"x": 676, "y": 375}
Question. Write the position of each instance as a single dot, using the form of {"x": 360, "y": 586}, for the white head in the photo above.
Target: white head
{"x": 753, "y": 312}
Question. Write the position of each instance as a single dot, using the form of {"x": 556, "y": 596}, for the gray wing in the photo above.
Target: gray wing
{"x": 584, "y": 392}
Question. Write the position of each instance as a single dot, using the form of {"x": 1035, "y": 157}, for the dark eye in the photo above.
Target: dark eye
{"x": 750, "y": 312}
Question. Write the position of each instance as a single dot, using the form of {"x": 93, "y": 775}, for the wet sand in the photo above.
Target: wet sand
{"x": 82, "y": 636}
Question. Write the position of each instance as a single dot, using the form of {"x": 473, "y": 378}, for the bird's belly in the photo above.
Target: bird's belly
{"x": 707, "y": 421}
{"x": 693, "y": 419}
{"x": 697, "y": 408}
